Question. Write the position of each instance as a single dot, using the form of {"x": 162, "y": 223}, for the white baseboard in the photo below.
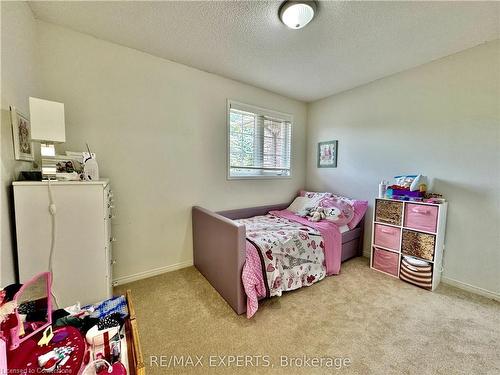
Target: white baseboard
{"x": 150, "y": 273}
{"x": 471, "y": 288}
{"x": 177, "y": 266}
{"x": 461, "y": 285}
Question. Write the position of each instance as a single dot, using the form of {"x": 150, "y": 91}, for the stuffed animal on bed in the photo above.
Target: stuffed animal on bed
{"x": 333, "y": 214}
{"x": 337, "y": 210}
{"x": 317, "y": 214}
{"x": 333, "y": 210}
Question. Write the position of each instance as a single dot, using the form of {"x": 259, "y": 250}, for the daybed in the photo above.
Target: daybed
{"x": 219, "y": 248}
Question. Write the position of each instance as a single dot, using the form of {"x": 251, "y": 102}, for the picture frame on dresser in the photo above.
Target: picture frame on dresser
{"x": 408, "y": 240}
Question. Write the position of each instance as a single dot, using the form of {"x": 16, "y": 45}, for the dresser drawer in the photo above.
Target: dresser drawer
{"x": 418, "y": 244}
{"x": 422, "y": 217}
{"x": 387, "y": 236}
{"x": 385, "y": 261}
{"x": 389, "y": 212}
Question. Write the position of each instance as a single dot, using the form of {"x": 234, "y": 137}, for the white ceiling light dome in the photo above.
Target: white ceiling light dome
{"x": 297, "y": 14}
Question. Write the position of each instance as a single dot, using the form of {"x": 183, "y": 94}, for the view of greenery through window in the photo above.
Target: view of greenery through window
{"x": 259, "y": 145}
{"x": 243, "y": 126}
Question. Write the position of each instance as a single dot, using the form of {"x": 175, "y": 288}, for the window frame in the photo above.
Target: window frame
{"x": 262, "y": 112}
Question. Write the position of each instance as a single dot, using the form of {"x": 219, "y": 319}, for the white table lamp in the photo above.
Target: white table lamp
{"x": 47, "y": 127}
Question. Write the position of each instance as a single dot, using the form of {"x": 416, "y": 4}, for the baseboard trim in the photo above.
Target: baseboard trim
{"x": 464, "y": 286}
{"x": 150, "y": 273}
{"x": 471, "y": 288}
{"x": 177, "y": 266}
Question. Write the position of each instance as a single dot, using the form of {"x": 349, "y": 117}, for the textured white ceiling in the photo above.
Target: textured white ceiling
{"x": 346, "y": 45}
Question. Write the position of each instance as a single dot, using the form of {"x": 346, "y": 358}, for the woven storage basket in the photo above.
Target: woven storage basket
{"x": 418, "y": 275}
{"x": 389, "y": 212}
{"x": 418, "y": 244}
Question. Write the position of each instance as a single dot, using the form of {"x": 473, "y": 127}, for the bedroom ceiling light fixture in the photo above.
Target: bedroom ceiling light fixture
{"x": 297, "y": 14}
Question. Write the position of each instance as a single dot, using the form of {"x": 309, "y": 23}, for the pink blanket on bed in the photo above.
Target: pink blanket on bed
{"x": 252, "y": 277}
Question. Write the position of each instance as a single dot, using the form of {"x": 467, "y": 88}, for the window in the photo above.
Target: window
{"x": 259, "y": 142}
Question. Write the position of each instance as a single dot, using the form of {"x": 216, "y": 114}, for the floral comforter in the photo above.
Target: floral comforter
{"x": 282, "y": 255}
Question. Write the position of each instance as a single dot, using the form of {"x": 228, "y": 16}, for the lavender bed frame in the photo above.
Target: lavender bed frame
{"x": 219, "y": 248}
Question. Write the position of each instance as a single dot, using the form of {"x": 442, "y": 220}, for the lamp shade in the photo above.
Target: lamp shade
{"x": 47, "y": 121}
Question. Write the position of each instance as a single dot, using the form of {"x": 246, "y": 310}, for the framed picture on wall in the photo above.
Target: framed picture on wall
{"x": 21, "y": 135}
{"x": 327, "y": 154}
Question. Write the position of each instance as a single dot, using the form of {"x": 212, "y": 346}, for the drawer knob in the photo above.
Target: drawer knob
{"x": 111, "y": 216}
{"x": 110, "y": 205}
{"x": 113, "y": 262}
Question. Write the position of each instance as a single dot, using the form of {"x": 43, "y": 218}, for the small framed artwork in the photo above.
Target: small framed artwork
{"x": 327, "y": 154}
{"x": 68, "y": 164}
{"x": 21, "y": 135}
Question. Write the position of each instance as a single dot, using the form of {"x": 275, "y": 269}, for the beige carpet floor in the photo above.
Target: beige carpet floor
{"x": 377, "y": 324}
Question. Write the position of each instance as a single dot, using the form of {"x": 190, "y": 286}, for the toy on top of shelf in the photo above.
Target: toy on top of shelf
{"x": 434, "y": 198}
{"x": 408, "y": 187}
{"x": 404, "y": 181}
{"x": 419, "y": 184}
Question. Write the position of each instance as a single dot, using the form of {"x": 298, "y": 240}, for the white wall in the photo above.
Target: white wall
{"x": 18, "y": 80}
{"x": 159, "y": 131}
{"x": 441, "y": 119}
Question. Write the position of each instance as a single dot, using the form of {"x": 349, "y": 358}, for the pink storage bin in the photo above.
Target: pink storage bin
{"x": 387, "y": 236}
{"x": 421, "y": 217}
{"x": 385, "y": 261}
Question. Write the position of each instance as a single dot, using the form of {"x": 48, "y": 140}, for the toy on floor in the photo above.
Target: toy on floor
{"x": 46, "y": 336}
{"x": 103, "y": 367}
{"x": 55, "y": 358}
{"x": 60, "y": 335}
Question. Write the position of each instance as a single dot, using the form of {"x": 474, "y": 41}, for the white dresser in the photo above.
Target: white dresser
{"x": 82, "y": 256}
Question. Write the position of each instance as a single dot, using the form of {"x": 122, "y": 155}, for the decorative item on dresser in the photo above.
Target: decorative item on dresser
{"x": 408, "y": 240}
{"x": 65, "y": 227}
{"x": 21, "y": 136}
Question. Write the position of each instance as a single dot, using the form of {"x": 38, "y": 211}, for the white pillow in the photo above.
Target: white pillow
{"x": 301, "y": 203}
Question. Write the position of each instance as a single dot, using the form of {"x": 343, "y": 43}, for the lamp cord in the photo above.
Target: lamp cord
{"x": 52, "y": 210}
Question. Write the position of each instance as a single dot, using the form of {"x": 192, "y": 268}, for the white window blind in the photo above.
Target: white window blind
{"x": 259, "y": 142}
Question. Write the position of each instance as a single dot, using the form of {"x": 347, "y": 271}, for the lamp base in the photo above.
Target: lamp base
{"x": 49, "y": 168}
